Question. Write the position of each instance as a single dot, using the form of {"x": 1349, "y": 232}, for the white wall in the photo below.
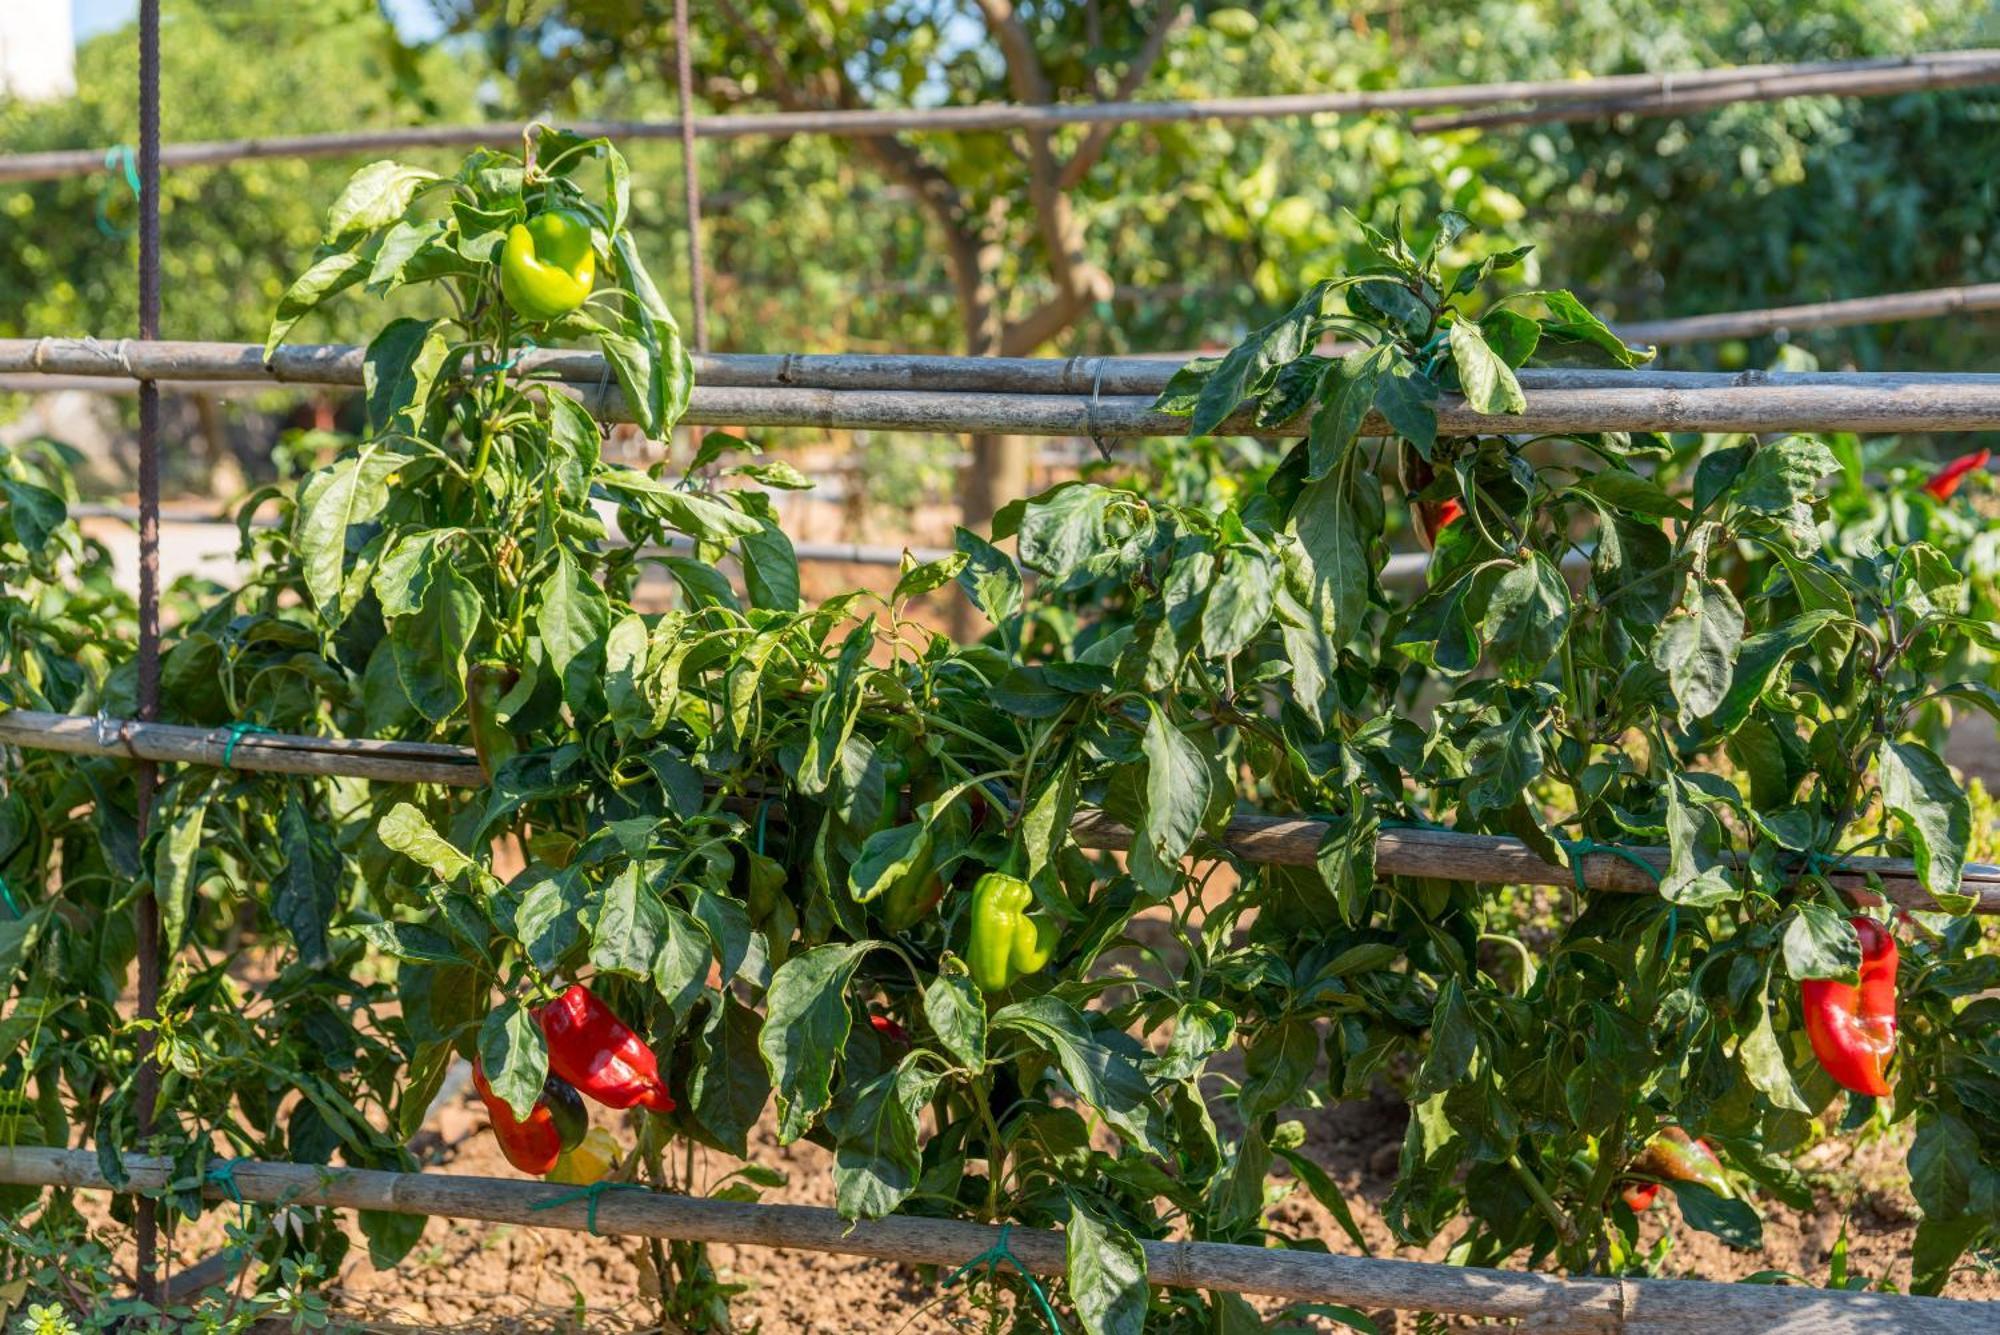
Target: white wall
{"x": 37, "y": 50}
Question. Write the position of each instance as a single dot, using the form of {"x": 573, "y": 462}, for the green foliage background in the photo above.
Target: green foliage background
{"x": 1201, "y": 226}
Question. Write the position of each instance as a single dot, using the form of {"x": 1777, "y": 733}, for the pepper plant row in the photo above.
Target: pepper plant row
{"x": 815, "y": 862}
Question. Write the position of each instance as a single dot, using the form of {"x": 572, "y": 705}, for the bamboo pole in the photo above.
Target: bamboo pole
{"x": 1544, "y": 97}
{"x": 1685, "y": 99}
{"x": 1552, "y": 1305}
{"x": 1558, "y": 400}
{"x": 326, "y": 757}
{"x": 1884, "y": 309}
{"x": 1287, "y": 841}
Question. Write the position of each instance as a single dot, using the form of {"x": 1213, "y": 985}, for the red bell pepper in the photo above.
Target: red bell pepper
{"x": 1853, "y": 1026}
{"x": 889, "y": 1029}
{"x": 1947, "y": 479}
{"x": 593, "y": 1050}
{"x": 532, "y": 1145}
{"x": 1433, "y": 517}
{"x": 1640, "y": 1195}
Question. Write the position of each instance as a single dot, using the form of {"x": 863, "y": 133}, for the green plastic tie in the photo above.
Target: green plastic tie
{"x": 991, "y": 1259}
{"x": 114, "y": 157}
{"x": 495, "y": 368}
{"x": 223, "y": 1174}
{"x": 589, "y": 1194}
{"x": 1579, "y": 849}
{"x": 236, "y": 731}
{"x": 7, "y": 898}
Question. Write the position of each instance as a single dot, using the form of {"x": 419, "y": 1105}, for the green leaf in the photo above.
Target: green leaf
{"x": 730, "y": 1084}
{"x": 630, "y": 926}
{"x": 513, "y": 1055}
{"x": 1347, "y": 392}
{"x": 397, "y": 373}
{"x": 1490, "y": 386}
{"x": 1177, "y": 789}
{"x": 805, "y": 1029}
{"x": 1512, "y": 337}
{"x": 1106, "y": 1077}
{"x": 347, "y": 492}
{"x": 36, "y": 513}
{"x": 771, "y": 569}
{"x": 1330, "y": 538}
{"x": 699, "y": 516}
{"x": 1764, "y": 1061}
{"x": 305, "y": 893}
{"x": 1327, "y": 1192}
{"x": 573, "y": 619}
{"x": 1572, "y": 336}
{"x": 1695, "y": 873}
{"x": 1920, "y": 793}
{"x": 1819, "y": 943}
{"x": 989, "y": 578}
{"x": 1527, "y": 615}
{"x": 887, "y": 857}
{"x": 1407, "y": 400}
{"x": 876, "y": 1160}
{"x": 174, "y": 860}
{"x": 405, "y": 830}
{"x": 917, "y": 579}
{"x": 430, "y": 645}
{"x": 329, "y": 275}
{"x": 1106, "y": 1270}
{"x": 957, "y": 1014}
{"x": 1277, "y": 1063}
{"x": 374, "y": 197}
{"x": 1239, "y": 602}
{"x": 1250, "y": 365}
{"x": 1732, "y": 1220}
{"x": 1454, "y": 1043}
{"x": 1697, "y": 648}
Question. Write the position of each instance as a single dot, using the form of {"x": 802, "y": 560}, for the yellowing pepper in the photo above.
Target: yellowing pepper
{"x": 588, "y": 1163}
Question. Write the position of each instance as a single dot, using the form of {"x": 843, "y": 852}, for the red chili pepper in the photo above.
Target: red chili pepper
{"x": 889, "y": 1029}
{"x": 1946, "y": 480}
{"x": 1853, "y": 1026}
{"x": 593, "y": 1050}
{"x": 532, "y": 1145}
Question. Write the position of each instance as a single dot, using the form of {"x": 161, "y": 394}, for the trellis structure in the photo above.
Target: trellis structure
{"x": 958, "y": 394}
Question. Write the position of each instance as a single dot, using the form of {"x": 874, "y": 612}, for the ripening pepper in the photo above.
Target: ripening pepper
{"x": 1946, "y": 480}
{"x": 547, "y": 265}
{"x": 531, "y": 1145}
{"x": 1006, "y": 944}
{"x": 593, "y": 1050}
{"x": 587, "y": 1162}
{"x": 1676, "y": 1157}
{"x": 486, "y": 685}
{"x": 1853, "y": 1026}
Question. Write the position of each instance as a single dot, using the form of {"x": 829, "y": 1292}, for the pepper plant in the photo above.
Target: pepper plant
{"x": 819, "y": 863}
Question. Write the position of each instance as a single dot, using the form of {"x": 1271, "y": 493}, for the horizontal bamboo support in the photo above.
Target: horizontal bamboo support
{"x": 1558, "y": 400}
{"x": 1549, "y": 1304}
{"x": 1544, "y": 99}
{"x": 1686, "y": 99}
{"x": 1887, "y": 308}
{"x": 359, "y": 758}
{"x": 1288, "y": 841}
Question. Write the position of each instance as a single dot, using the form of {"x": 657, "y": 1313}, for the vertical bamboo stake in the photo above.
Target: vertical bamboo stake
{"x": 147, "y": 910}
